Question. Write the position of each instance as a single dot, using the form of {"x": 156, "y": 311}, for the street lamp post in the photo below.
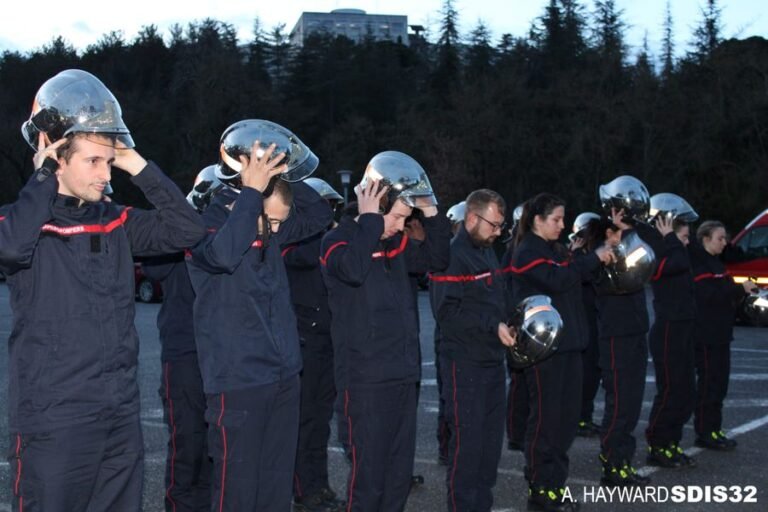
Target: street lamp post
{"x": 345, "y": 177}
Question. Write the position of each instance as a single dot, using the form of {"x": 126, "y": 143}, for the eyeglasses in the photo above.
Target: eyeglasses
{"x": 500, "y": 226}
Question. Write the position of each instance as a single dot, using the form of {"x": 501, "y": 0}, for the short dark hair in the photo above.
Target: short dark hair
{"x": 282, "y": 189}
{"x": 479, "y": 200}
{"x": 68, "y": 149}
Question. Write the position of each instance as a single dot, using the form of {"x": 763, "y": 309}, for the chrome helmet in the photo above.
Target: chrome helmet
{"x": 324, "y": 189}
{"x": 406, "y": 178}
{"x": 238, "y": 139}
{"x": 634, "y": 266}
{"x": 538, "y": 326}
{"x": 626, "y": 193}
{"x": 756, "y": 307}
{"x": 206, "y": 185}
{"x": 457, "y": 212}
{"x": 75, "y": 101}
{"x": 672, "y": 207}
{"x": 580, "y": 224}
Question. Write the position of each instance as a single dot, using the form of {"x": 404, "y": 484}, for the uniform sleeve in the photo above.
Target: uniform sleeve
{"x": 304, "y": 254}
{"x": 230, "y": 234}
{"x": 674, "y": 260}
{"x": 173, "y": 226}
{"x": 312, "y": 214}
{"x": 550, "y": 277}
{"x": 21, "y": 222}
{"x": 433, "y": 254}
{"x": 347, "y": 250}
{"x": 158, "y": 268}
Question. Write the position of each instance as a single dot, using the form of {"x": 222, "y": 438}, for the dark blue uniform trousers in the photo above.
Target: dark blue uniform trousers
{"x": 475, "y": 402}
{"x": 252, "y": 439}
{"x": 318, "y": 393}
{"x": 188, "y": 467}
{"x": 590, "y": 359}
{"x": 713, "y": 370}
{"x": 381, "y": 428}
{"x": 623, "y": 361}
{"x": 91, "y": 467}
{"x": 518, "y": 408}
{"x": 555, "y": 400}
{"x": 671, "y": 345}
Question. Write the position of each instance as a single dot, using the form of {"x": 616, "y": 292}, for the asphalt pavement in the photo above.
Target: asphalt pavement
{"x": 742, "y": 474}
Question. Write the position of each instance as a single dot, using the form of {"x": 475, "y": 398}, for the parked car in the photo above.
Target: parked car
{"x": 147, "y": 290}
{"x": 747, "y": 256}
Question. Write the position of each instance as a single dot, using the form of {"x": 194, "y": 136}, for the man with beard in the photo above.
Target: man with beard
{"x": 469, "y": 302}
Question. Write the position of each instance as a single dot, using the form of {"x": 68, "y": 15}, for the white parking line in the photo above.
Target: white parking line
{"x": 734, "y": 432}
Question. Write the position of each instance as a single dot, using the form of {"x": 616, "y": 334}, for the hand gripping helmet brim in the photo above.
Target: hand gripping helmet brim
{"x": 238, "y": 139}
{"x": 539, "y": 326}
{"x": 457, "y": 212}
{"x": 407, "y": 179}
{"x": 633, "y": 268}
{"x": 626, "y": 193}
{"x": 206, "y": 185}
{"x": 672, "y": 207}
{"x": 326, "y": 191}
{"x": 76, "y": 102}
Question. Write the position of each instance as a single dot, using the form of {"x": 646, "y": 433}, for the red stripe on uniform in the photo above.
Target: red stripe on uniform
{"x": 660, "y": 270}
{"x": 87, "y": 228}
{"x": 224, "y": 461}
{"x": 173, "y": 436}
{"x": 460, "y": 279}
{"x": 18, "y": 471}
{"x": 532, "y": 453}
{"x": 287, "y": 250}
{"x": 458, "y": 437}
{"x": 666, "y": 382}
{"x": 708, "y": 275}
{"x": 353, "y": 473}
{"x": 324, "y": 260}
{"x": 615, "y": 399}
{"x": 529, "y": 266}
{"x": 257, "y": 243}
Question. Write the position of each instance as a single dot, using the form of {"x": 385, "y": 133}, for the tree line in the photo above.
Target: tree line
{"x": 562, "y": 109}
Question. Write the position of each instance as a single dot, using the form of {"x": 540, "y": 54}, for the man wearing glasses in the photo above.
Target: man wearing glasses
{"x": 469, "y": 304}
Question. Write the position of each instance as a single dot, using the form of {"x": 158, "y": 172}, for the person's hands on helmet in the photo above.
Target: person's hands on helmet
{"x": 617, "y": 217}
{"x": 415, "y": 229}
{"x": 129, "y": 160}
{"x": 750, "y": 286}
{"x": 664, "y": 225}
{"x": 576, "y": 243}
{"x": 261, "y": 166}
{"x": 605, "y": 254}
{"x": 428, "y": 211}
{"x": 369, "y": 198}
{"x": 507, "y": 335}
{"x": 44, "y": 151}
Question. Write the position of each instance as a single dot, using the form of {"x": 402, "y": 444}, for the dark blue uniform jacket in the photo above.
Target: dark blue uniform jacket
{"x": 374, "y": 323}
{"x": 73, "y": 348}
{"x": 716, "y": 297}
{"x": 538, "y": 269}
{"x": 174, "y": 321}
{"x": 308, "y": 292}
{"x": 469, "y": 301}
{"x": 245, "y": 327}
{"x": 672, "y": 283}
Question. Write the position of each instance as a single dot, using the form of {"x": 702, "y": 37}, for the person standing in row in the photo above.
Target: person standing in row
{"x": 469, "y": 301}
{"x": 73, "y": 396}
{"x": 245, "y": 328}
{"x": 374, "y": 326}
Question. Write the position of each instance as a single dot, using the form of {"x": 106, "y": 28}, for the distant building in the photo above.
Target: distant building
{"x": 352, "y": 23}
